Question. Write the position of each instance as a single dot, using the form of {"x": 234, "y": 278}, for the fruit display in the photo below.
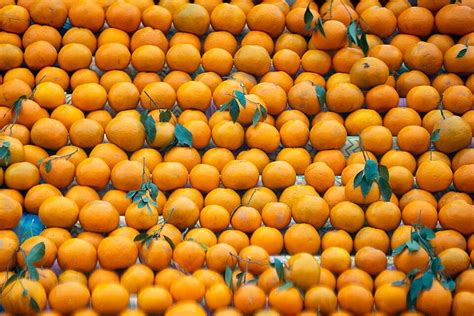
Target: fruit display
{"x": 238, "y": 157}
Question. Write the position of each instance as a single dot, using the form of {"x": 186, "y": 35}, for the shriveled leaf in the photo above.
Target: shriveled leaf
{"x": 308, "y": 18}
{"x": 241, "y": 98}
{"x": 280, "y": 270}
{"x": 170, "y": 242}
{"x": 165, "y": 116}
{"x": 183, "y": 135}
{"x": 234, "y": 110}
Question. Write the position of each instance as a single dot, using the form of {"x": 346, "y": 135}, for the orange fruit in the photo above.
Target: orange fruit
{"x": 73, "y": 247}
{"x": 27, "y": 245}
{"x": 157, "y": 17}
{"x": 302, "y": 238}
{"x": 276, "y": 214}
{"x": 14, "y": 301}
{"x": 353, "y": 98}
{"x": 382, "y": 98}
{"x": 423, "y": 98}
{"x": 123, "y": 16}
{"x": 48, "y": 212}
{"x": 339, "y": 238}
{"x": 459, "y": 65}
{"x": 457, "y": 99}
{"x": 110, "y": 298}
{"x": 153, "y": 299}
{"x": 379, "y": 21}
{"x": 462, "y": 178}
{"x": 432, "y": 181}
{"x": 175, "y": 61}
{"x": 335, "y": 259}
{"x": 442, "y": 299}
{"x": 452, "y": 216}
{"x": 80, "y": 36}
{"x": 98, "y": 209}
{"x": 397, "y": 118}
{"x": 334, "y": 38}
{"x": 252, "y": 59}
{"x": 410, "y": 79}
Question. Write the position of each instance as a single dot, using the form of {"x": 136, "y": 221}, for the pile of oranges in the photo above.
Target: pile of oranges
{"x": 264, "y": 214}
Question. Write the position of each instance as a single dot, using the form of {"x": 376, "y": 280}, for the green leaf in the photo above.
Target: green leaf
{"x": 256, "y": 118}
{"x": 183, "y": 135}
{"x": 10, "y": 280}
{"x": 241, "y": 98}
{"x": 148, "y": 241}
{"x": 383, "y": 172}
{"x": 412, "y": 246}
{"x": 224, "y": 106}
{"x": 435, "y": 135}
{"x": 399, "y": 249}
{"x": 150, "y": 128}
{"x": 385, "y": 189}
{"x": 5, "y": 153}
{"x": 365, "y": 186}
{"x": 321, "y": 94}
{"x": 358, "y": 179}
{"x": 363, "y": 44}
{"x": 436, "y": 265}
{"x": 153, "y": 190}
{"x": 320, "y": 26}
{"x": 352, "y": 32}
{"x": 427, "y": 279}
{"x": 17, "y": 105}
{"x": 24, "y": 293}
{"x": 141, "y": 203}
{"x": 285, "y": 286}
{"x": 450, "y": 285}
{"x": 462, "y": 52}
{"x": 130, "y": 194}
{"x": 34, "y": 305}
{"x": 398, "y": 283}
{"x": 371, "y": 172}
{"x": 140, "y": 237}
{"x": 143, "y": 116}
{"x": 228, "y": 276}
{"x": 170, "y": 242}
{"x": 234, "y": 110}
{"x": 165, "y": 116}
{"x": 427, "y": 233}
{"x": 48, "y": 165}
{"x": 240, "y": 278}
{"x": 411, "y": 274}
{"x": 36, "y": 253}
{"x": 415, "y": 289}
{"x": 280, "y": 270}
{"x": 308, "y": 18}
{"x": 263, "y": 111}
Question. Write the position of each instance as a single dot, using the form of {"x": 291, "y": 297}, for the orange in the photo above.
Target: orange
{"x": 148, "y": 58}
{"x": 158, "y": 94}
{"x": 98, "y": 209}
{"x": 453, "y": 216}
{"x": 113, "y": 35}
{"x": 93, "y": 172}
{"x": 376, "y": 139}
{"x": 390, "y": 299}
{"x": 355, "y": 299}
{"x": 339, "y": 216}
{"x": 157, "y": 256}
{"x": 310, "y": 209}
{"x": 276, "y": 215}
{"x": 219, "y": 256}
{"x": 457, "y": 99}
{"x": 119, "y": 130}
{"x": 86, "y": 133}
{"x": 413, "y": 139}
{"x": 142, "y": 79}
{"x": 407, "y": 80}
{"x": 112, "y": 56}
{"x": 246, "y": 219}
{"x": 204, "y": 177}
{"x": 15, "y": 19}
{"x": 369, "y": 72}
{"x": 80, "y": 36}
{"x": 437, "y": 299}
{"x": 459, "y": 65}
{"x": 463, "y": 157}
{"x": 10, "y": 212}
{"x": 320, "y": 298}
{"x": 456, "y": 130}
{"x": 12, "y": 57}
{"x": 417, "y": 21}
{"x": 40, "y": 48}
{"x": 326, "y": 135}
{"x": 185, "y": 38}
{"x": 423, "y": 98}
{"x": 123, "y": 96}
{"x": 444, "y": 42}
{"x": 52, "y": 206}
{"x": 455, "y": 15}
{"x": 371, "y": 260}
{"x": 110, "y": 298}
{"x": 337, "y": 238}
{"x": 379, "y": 21}
{"x": 175, "y": 61}
{"x": 239, "y": 175}
{"x": 252, "y": 59}
{"x": 153, "y": 299}
{"x": 333, "y": 158}
{"x": 451, "y": 196}
{"x": 217, "y": 157}
{"x": 335, "y": 36}
{"x": 182, "y": 212}
{"x": 123, "y": 16}
{"x": 355, "y": 276}
{"x": 444, "y": 81}
{"x": 148, "y": 36}
{"x": 267, "y": 18}
{"x": 286, "y": 301}
{"x": 89, "y": 97}
{"x": 23, "y": 74}
{"x": 37, "y": 195}
{"x": 82, "y": 195}
{"x": 83, "y": 76}
{"x": 397, "y": 118}
{"x": 27, "y": 245}
{"x": 383, "y": 215}
{"x": 462, "y": 178}
{"x": 335, "y": 259}
{"x": 228, "y": 17}
{"x": 194, "y": 95}
{"x": 302, "y": 238}
{"x": 67, "y": 115}
{"x": 454, "y": 260}
{"x": 269, "y": 239}
{"x": 129, "y": 175}
{"x": 71, "y": 249}
{"x": 415, "y": 55}
{"x": 157, "y": 17}
{"x": 401, "y": 179}
{"x": 353, "y": 98}
{"x": 184, "y": 18}
{"x": 109, "y": 153}
{"x": 189, "y": 255}
{"x": 53, "y": 13}
{"x": 278, "y": 174}
{"x": 136, "y": 278}
{"x": 431, "y": 180}
{"x": 108, "y": 249}
{"x": 14, "y": 301}
{"x": 389, "y": 54}
{"x": 21, "y": 176}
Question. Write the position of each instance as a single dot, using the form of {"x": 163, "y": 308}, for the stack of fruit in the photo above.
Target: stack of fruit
{"x": 236, "y": 158}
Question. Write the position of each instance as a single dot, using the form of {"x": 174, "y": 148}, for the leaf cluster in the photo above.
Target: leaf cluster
{"x": 357, "y": 36}
{"x": 371, "y": 173}
{"x": 233, "y": 106}
{"x": 308, "y": 19}
{"x": 146, "y": 195}
{"x": 146, "y": 239}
